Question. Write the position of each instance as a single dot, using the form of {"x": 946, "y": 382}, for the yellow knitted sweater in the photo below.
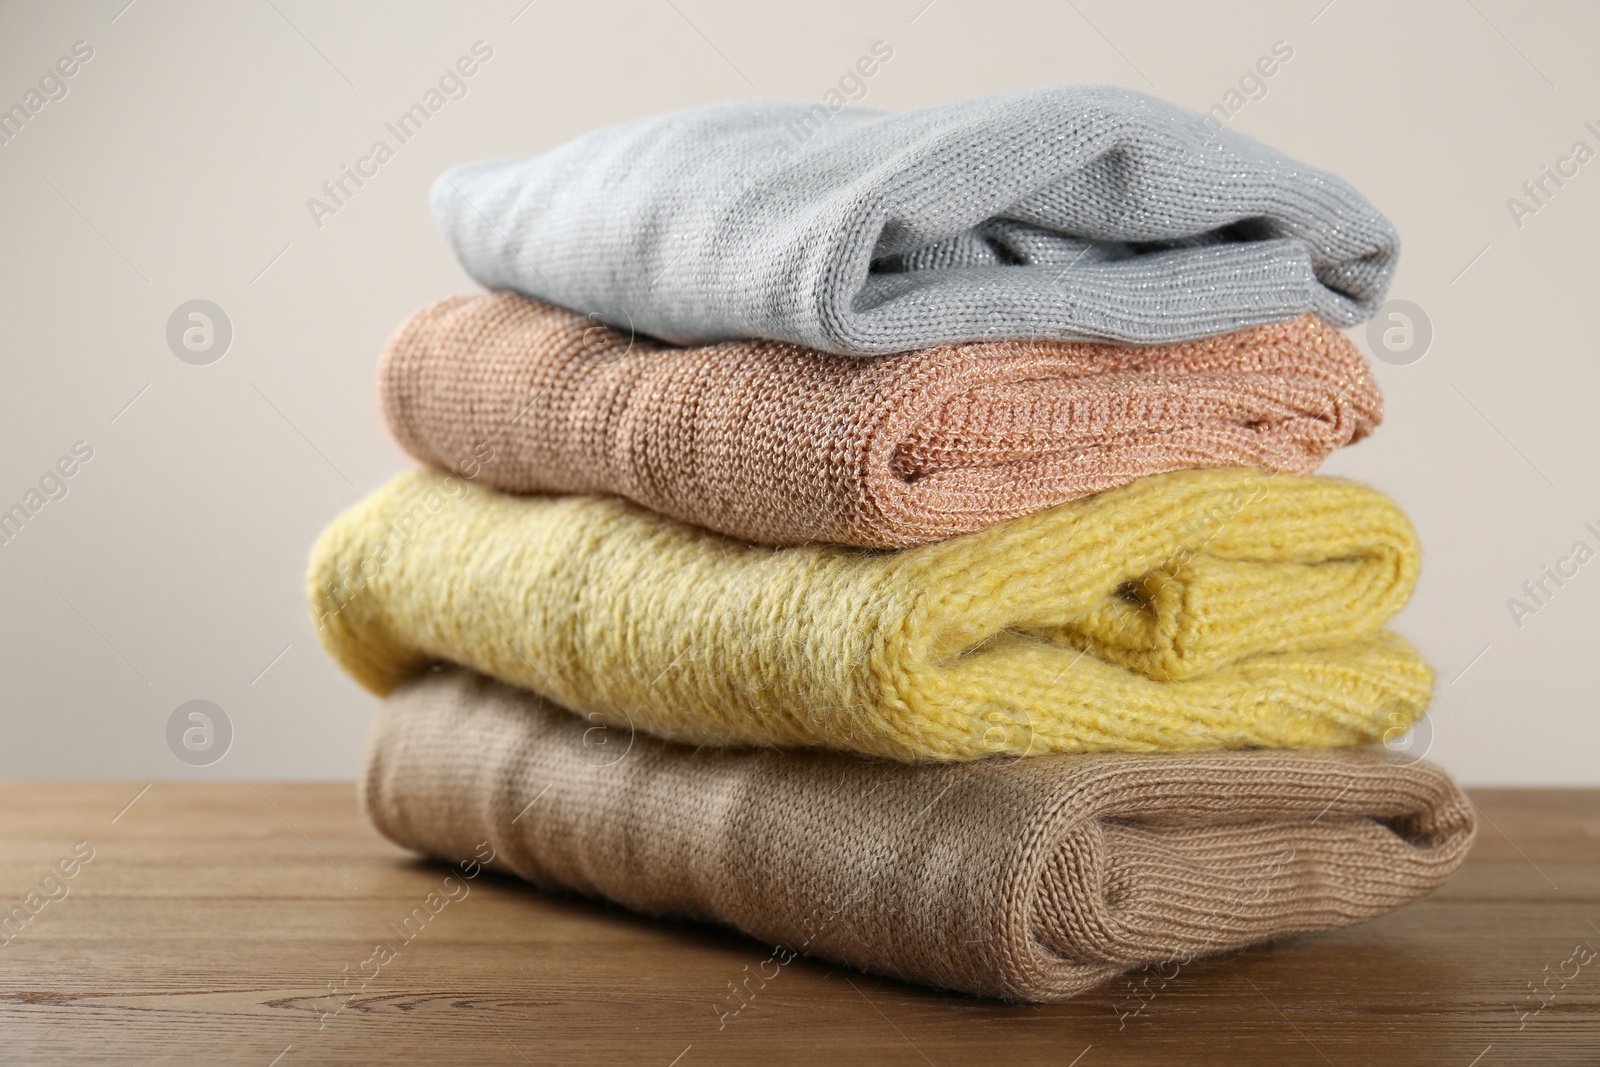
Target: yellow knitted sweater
{"x": 1193, "y": 610}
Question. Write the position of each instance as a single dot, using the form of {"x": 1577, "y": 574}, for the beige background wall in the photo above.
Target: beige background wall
{"x": 178, "y": 165}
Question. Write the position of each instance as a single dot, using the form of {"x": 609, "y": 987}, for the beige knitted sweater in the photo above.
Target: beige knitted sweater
{"x": 1026, "y": 879}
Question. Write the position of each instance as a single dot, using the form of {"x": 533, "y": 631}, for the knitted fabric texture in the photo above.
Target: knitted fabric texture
{"x": 783, "y": 445}
{"x": 1195, "y": 610}
{"x": 1068, "y": 213}
{"x": 1025, "y": 879}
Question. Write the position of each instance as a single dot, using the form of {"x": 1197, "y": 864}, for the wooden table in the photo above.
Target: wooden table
{"x": 214, "y": 923}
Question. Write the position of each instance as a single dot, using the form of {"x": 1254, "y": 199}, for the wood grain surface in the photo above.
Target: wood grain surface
{"x": 217, "y": 923}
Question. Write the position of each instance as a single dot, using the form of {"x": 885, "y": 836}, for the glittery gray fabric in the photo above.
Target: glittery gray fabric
{"x": 1078, "y": 212}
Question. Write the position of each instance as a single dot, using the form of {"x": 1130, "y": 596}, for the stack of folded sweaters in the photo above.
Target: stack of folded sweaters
{"x": 899, "y": 542}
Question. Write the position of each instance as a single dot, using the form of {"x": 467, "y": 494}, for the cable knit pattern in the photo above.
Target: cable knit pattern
{"x": 1193, "y": 610}
{"x": 1070, "y": 213}
{"x": 784, "y": 445}
{"x": 1025, "y": 879}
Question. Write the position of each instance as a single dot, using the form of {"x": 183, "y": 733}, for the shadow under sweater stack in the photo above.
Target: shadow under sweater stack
{"x": 901, "y": 543}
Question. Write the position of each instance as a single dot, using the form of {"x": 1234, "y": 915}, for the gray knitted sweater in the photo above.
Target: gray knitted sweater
{"x": 1075, "y": 212}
